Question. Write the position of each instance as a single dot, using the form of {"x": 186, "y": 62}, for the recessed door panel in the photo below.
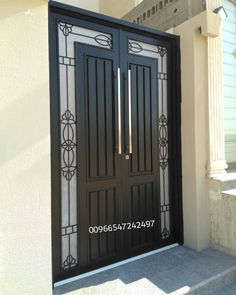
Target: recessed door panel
{"x": 141, "y": 104}
{"x": 101, "y": 211}
{"x": 100, "y": 117}
{"x": 141, "y": 160}
{"x": 143, "y": 214}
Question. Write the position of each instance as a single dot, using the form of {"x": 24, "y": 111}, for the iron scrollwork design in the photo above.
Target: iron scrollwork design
{"x": 163, "y": 141}
{"x": 135, "y": 47}
{"x": 101, "y": 39}
{"x": 68, "y": 145}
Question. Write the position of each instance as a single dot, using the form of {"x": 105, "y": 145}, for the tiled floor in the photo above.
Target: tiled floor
{"x": 162, "y": 273}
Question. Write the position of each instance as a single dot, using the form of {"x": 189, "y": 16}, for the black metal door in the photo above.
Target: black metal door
{"x": 140, "y": 158}
{"x": 118, "y": 193}
{"x": 99, "y": 180}
{"x": 115, "y": 124}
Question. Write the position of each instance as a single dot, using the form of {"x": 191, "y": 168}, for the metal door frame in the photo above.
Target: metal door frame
{"x": 93, "y": 20}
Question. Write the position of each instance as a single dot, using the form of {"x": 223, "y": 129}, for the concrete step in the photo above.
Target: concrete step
{"x": 177, "y": 271}
{"x": 221, "y": 284}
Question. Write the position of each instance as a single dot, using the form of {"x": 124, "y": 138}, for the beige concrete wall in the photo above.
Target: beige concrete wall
{"x": 117, "y": 8}
{"x": 223, "y": 220}
{"x": 92, "y": 5}
{"x": 166, "y": 16}
{"x": 194, "y": 133}
{"x": 25, "y": 213}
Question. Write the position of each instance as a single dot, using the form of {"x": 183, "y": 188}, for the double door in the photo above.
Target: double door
{"x": 115, "y": 133}
{"x": 118, "y": 189}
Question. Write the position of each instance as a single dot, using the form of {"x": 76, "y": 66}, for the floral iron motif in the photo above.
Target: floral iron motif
{"x": 69, "y": 262}
{"x": 162, "y": 51}
{"x": 165, "y": 233}
{"x": 65, "y": 28}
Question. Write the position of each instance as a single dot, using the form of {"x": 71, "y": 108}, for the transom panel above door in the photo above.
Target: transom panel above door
{"x": 115, "y": 140}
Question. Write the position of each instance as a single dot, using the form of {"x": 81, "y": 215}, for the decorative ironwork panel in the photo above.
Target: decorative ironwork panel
{"x": 159, "y": 52}
{"x": 67, "y": 35}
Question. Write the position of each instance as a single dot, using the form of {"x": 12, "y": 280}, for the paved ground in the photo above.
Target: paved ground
{"x": 177, "y": 269}
{"x": 228, "y": 290}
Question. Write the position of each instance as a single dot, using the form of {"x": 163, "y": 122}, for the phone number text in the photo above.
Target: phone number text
{"x": 121, "y": 226}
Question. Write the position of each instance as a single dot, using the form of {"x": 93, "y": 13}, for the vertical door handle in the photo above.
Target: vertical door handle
{"x": 130, "y": 112}
{"x": 119, "y": 112}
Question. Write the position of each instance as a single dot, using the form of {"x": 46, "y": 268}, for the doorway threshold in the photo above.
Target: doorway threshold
{"x": 111, "y": 266}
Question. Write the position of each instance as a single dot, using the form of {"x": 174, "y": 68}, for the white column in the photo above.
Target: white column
{"x": 217, "y": 163}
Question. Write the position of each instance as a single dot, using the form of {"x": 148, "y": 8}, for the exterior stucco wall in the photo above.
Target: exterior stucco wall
{"x": 194, "y": 133}
{"x": 223, "y": 219}
{"x": 25, "y": 210}
{"x": 117, "y": 8}
{"x": 92, "y": 5}
{"x": 165, "y": 14}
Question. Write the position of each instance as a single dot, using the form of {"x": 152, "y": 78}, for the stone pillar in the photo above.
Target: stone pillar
{"x": 217, "y": 163}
